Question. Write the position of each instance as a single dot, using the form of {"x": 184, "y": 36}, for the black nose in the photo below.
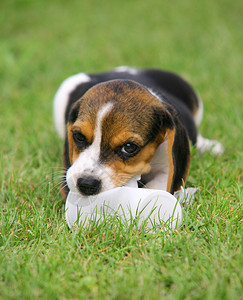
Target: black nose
{"x": 89, "y": 185}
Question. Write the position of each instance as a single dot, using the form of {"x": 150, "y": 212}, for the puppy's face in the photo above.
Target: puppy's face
{"x": 113, "y": 132}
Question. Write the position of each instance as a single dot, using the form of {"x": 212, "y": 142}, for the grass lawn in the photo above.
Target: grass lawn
{"x": 42, "y": 43}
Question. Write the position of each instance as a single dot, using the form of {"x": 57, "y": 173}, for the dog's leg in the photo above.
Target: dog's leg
{"x": 204, "y": 144}
{"x": 213, "y": 146}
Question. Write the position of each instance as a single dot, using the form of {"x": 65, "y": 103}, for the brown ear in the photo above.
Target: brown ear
{"x": 178, "y": 149}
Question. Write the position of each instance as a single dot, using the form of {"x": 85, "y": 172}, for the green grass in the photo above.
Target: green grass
{"x": 43, "y": 42}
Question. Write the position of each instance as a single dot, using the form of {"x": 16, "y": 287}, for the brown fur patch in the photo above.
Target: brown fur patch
{"x": 70, "y": 142}
{"x": 64, "y": 190}
{"x": 170, "y": 137}
{"x": 140, "y": 164}
{"x": 73, "y": 150}
{"x": 86, "y": 128}
{"x": 123, "y": 136}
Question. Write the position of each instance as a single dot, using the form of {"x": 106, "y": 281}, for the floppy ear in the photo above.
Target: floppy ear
{"x": 71, "y": 116}
{"x": 68, "y": 146}
{"x": 170, "y": 165}
{"x": 178, "y": 151}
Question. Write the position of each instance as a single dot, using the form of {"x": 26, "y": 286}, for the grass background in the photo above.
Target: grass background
{"x": 42, "y": 43}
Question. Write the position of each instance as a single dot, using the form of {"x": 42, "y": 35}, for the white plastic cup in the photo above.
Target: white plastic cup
{"x": 154, "y": 206}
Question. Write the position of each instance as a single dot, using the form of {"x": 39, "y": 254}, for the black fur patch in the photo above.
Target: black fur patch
{"x": 184, "y": 119}
{"x": 161, "y": 119}
{"x": 181, "y": 156}
{"x": 66, "y": 154}
{"x": 173, "y": 85}
{"x": 66, "y": 163}
{"x": 76, "y": 94}
{"x": 73, "y": 115}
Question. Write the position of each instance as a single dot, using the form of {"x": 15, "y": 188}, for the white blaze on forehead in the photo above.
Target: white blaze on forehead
{"x": 87, "y": 164}
{"x": 98, "y": 130}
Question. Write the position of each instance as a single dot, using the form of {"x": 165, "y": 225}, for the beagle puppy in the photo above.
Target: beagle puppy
{"x": 125, "y": 123}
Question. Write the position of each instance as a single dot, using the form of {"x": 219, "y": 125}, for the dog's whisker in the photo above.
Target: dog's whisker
{"x": 53, "y": 178}
{"x": 54, "y": 171}
{"x": 62, "y": 187}
{"x": 58, "y": 184}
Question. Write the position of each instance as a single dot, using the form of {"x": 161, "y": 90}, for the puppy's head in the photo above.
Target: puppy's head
{"x": 113, "y": 133}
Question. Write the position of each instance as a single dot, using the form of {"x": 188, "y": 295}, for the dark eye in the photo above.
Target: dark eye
{"x": 80, "y": 139}
{"x": 129, "y": 149}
